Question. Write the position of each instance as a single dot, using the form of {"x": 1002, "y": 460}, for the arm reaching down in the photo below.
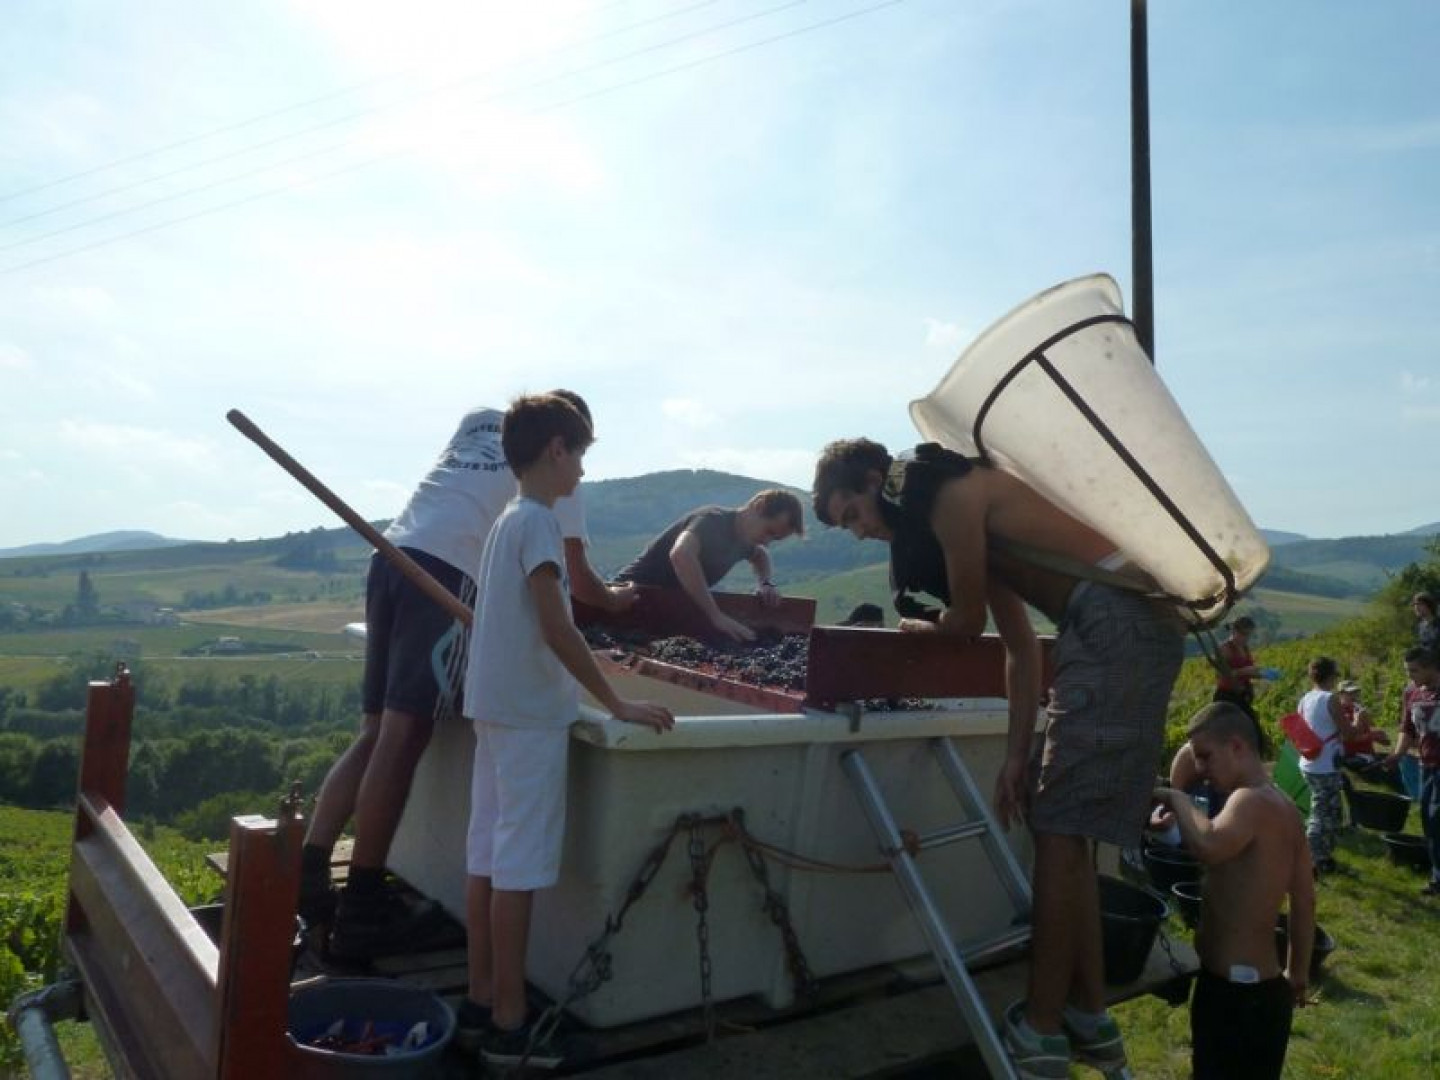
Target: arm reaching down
{"x": 587, "y": 586}
{"x": 685, "y": 558}
{"x": 566, "y": 642}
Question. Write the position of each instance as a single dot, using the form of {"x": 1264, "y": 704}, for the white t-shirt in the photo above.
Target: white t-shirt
{"x": 513, "y": 678}
{"x": 1315, "y": 708}
{"x": 452, "y": 510}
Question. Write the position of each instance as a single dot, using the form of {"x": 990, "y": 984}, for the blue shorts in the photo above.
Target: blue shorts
{"x": 414, "y": 650}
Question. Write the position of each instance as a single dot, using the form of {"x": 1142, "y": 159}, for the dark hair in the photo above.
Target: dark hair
{"x": 579, "y": 403}
{"x": 533, "y": 421}
{"x": 1244, "y": 622}
{"x": 1419, "y": 654}
{"x": 1323, "y": 669}
{"x": 1425, "y": 598}
{"x": 777, "y": 502}
{"x": 1222, "y": 720}
{"x": 845, "y": 465}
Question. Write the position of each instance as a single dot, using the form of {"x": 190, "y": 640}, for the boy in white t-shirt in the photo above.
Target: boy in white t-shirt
{"x": 521, "y": 692}
{"x": 414, "y": 650}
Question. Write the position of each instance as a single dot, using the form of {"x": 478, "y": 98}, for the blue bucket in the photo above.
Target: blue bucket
{"x": 386, "y": 1009}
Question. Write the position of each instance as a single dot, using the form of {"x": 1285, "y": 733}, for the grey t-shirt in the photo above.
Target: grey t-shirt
{"x": 720, "y": 549}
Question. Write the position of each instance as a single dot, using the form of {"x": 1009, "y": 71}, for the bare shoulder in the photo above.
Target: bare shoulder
{"x": 1268, "y": 806}
{"x": 961, "y": 502}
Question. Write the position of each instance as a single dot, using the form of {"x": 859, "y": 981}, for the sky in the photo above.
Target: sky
{"x": 740, "y": 228}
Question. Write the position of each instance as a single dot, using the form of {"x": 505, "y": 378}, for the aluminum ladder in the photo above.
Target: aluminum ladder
{"x": 979, "y": 824}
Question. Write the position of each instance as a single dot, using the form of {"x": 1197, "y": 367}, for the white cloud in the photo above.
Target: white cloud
{"x": 1412, "y": 384}
{"x": 14, "y": 358}
{"x": 384, "y": 36}
{"x": 83, "y": 301}
{"x": 123, "y": 443}
{"x": 945, "y": 335}
{"x": 688, "y": 412}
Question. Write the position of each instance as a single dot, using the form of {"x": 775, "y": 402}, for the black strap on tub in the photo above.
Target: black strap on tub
{"x": 1037, "y": 356}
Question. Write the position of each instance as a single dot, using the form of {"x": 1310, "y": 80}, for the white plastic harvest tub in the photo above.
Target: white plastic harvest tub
{"x": 627, "y": 786}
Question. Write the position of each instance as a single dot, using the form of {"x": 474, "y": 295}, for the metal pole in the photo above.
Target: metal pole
{"x": 1141, "y": 266}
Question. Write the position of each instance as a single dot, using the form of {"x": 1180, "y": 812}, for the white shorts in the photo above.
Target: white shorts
{"x": 517, "y": 805}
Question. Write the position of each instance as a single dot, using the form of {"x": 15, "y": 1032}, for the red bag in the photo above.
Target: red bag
{"x": 1303, "y": 736}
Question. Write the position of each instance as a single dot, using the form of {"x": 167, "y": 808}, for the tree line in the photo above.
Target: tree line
{"x": 201, "y": 748}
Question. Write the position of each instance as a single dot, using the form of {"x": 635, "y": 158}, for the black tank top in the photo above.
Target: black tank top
{"x": 906, "y": 499}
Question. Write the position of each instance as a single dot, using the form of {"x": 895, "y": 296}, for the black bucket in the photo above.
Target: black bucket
{"x": 1167, "y": 865}
{"x": 1130, "y": 917}
{"x": 1378, "y": 810}
{"x": 1408, "y": 851}
{"x": 1319, "y": 952}
{"x": 1187, "y": 898}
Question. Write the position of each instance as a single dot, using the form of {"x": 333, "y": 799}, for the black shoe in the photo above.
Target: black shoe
{"x": 506, "y": 1049}
{"x": 472, "y": 1024}
{"x": 318, "y": 898}
{"x": 383, "y": 924}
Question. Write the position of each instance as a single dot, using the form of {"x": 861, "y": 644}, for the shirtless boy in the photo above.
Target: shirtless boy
{"x": 1256, "y": 854}
{"x": 979, "y": 539}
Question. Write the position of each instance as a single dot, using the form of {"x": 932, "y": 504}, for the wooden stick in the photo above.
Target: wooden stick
{"x": 402, "y": 562}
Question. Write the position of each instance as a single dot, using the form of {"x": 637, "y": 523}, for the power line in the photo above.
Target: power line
{"x": 261, "y": 118}
{"x": 312, "y": 129}
{"x": 584, "y": 69}
{"x": 377, "y": 159}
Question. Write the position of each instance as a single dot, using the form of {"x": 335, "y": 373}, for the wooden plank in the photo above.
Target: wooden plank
{"x": 252, "y": 998}
{"x": 104, "y": 757}
{"x": 148, "y": 967}
{"x": 848, "y": 663}
{"x": 219, "y": 861}
{"x": 761, "y": 697}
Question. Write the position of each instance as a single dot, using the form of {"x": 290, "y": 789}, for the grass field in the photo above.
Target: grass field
{"x": 318, "y": 617}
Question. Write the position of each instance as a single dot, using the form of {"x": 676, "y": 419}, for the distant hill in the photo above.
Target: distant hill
{"x": 1427, "y": 530}
{"x": 121, "y": 540}
{"x": 1276, "y": 537}
{"x": 1364, "y": 563}
{"x": 623, "y": 515}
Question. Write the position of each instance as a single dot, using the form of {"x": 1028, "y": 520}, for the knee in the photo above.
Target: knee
{"x": 405, "y": 734}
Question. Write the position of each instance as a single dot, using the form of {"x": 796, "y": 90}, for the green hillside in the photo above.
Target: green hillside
{"x": 309, "y": 583}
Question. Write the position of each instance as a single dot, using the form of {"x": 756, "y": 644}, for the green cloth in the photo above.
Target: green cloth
{"x": 1288, "y": 777}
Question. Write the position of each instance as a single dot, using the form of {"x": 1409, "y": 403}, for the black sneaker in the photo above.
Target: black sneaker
{"x": 384, "y": 924}
{"x": 472, "y": 1024}
{"x": 507, "y": 1049}
{"x": 318, "y": 897}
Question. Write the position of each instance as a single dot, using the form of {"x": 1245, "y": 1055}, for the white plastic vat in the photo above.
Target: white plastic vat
{"x": 627, "y": 785}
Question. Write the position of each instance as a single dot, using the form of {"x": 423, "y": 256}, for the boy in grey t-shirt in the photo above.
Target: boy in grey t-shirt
{"x": 526, "y": 657}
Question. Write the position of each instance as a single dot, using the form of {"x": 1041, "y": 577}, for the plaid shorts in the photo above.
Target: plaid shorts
{"x": 1116, "y": 659}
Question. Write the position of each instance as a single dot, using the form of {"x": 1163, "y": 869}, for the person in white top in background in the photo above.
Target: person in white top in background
{"x": 1322, "y": 712}
{"x": 414, "y": 659}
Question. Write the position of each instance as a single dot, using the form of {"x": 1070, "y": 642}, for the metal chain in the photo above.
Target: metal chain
{"x": 596, "y": 966}
{"x": 803, "y": 979}
{"x": 699, "y": 867}
{"x": 1176, "y": 968}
